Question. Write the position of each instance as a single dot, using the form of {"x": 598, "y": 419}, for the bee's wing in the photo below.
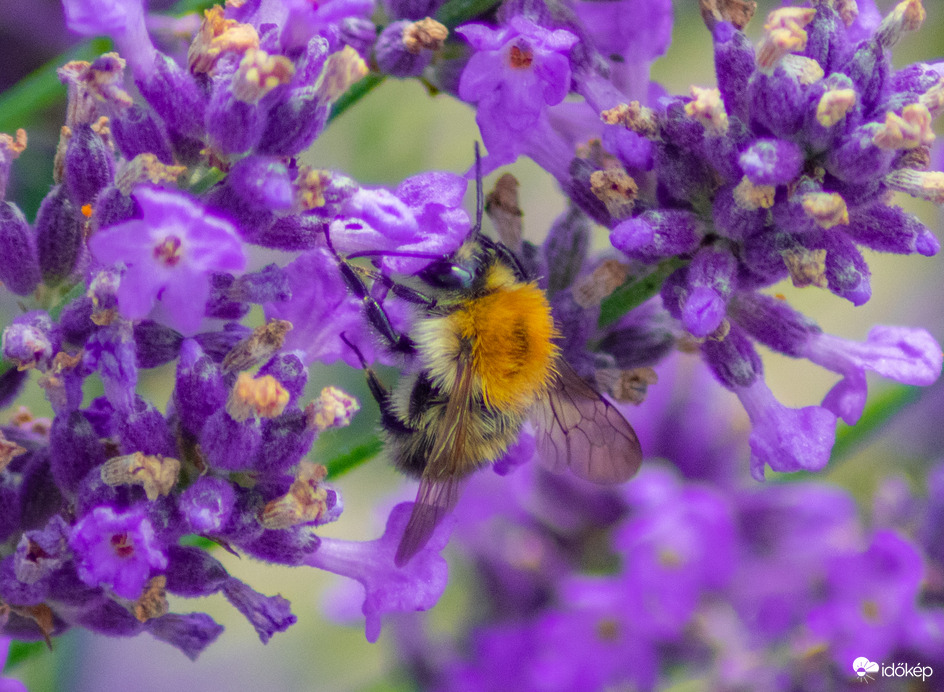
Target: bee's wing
{"x": 446, "y": 466}
{"x": 578, "y": 429}
{"x": 434, "y": 500}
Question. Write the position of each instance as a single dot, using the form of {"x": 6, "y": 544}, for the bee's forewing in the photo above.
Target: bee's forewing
{"x": 434, "y": 500}
{"x": 580, "y": 430}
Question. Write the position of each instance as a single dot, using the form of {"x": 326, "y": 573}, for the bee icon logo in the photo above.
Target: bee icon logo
{"x": 862, "y": 667}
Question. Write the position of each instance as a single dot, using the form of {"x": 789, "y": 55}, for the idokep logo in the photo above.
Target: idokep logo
{"x": 865, "y": 670}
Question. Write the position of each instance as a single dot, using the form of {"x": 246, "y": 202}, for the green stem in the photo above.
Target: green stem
{"x": 636, "y": 291}
{"x": 351, "y": 460}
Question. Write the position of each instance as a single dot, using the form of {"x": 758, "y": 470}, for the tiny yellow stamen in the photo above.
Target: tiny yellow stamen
{"x": 8, "y": 451}
{"x": 342, "y": 69}
{"x": 708, "y": 109}
{"x": 827, "y": 209}
{"x": 784, "y": 34}
{"x": 259, "y": 73}
{"x": 305, "y": 501}
{"x": 262, "y": 397}
{"x": 750, "y": 196}
{"x": 640, "y": 119}
{"x": 834, "y": 105}
{"x": 426, "y": 34}
{"x": 155, "y": 473}
{"x": 909, "y": 130}
{"x": 332, "y": 409}
{"x": 806, "y": 267}
{"x": 616, "y": 189}
{"x": 216, "y": 37}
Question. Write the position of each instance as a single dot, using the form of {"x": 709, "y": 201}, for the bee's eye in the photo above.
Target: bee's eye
{"x": 445, "y": 274}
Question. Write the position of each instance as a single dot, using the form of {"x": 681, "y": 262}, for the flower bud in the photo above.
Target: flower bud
{"x": 58, "y": 235}
{"x": 137, "y": 132}
{"x": 88, "y": 165}
{"x": 19, "y": 259}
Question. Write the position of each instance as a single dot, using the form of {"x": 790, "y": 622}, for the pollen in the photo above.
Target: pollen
{"x": 155, "y": 473}
{"x": 827, "y": 209}
{"x": 426, "y": 34}
{"x": 834, "y": 105}
{"x": 342, "y": 69}
{"x": 86, "y": 211}
{"x": 263, "y": 397}
{"x": 305, "y": 501}
{"x": 216, "y": 37}
{"x": 909, "y": 130}
{"x": 511, "y": 333}
{"x": 259, "y": 73}
{"x": 707, "y": 108}
{"x": 168, "y": 251}
{"x": 520, "y": 57}
{"x": 785, "y": 34}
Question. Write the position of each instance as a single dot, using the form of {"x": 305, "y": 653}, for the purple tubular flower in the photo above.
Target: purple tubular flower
{"x": 871, "y": 597}
{"x": 785, "y": 439}
{"x": 734, "y": 64}
{"x": 415, "y": 586}
{"x": 230, "y": 444}
{"x": 516, "y": 72}
{"x": 772, "y": 161}
{"x": 19, "y": 257}
{"x": 41, "y": 552}
{"x": 116, "y": 549}
{"x": 320, "y": 309}
{"x": 654, "y": 235}
{"x": 673, "y": 552}
{"x": 111, "y": 352}
{"x": 31, "y": 341}
{"x": 192, "y": 572}
{"x": 907, "y": 355}
{"x": 137, "y": 132}
{"x": 169, "y": 254}
{"x": 710, "y": 279}
{"x": 200, "y": 390}
{"x": 267, "y": 614}
{"x": 74, "y": 450}
{"x": 207, "y": 504}
{"x": 190, "y": 633}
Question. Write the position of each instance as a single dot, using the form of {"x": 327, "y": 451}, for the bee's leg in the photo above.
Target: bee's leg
{"x": 399, "y": 343}
{"x": 410, "y": 295}
{"x": 388, "y": 419}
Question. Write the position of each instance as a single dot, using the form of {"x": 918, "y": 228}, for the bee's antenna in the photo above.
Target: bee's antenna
{"x": 479, "y": 197}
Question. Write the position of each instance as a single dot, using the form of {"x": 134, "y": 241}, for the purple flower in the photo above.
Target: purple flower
{"x": 870, "y": 599}
{"x": 423, "y": 216}
{"x": 388, "y": 588}
{"x": 910, "y": 356}
{"x": 320, "y": 310}
{"x": 207, "y": 504}
{"x": 786, "y": 439}
{"x": 118, "y": 550}
{"x": 516, "y": 72}
{"x": 267, "y": 614}
{"x": 122, "y": 20}
{"x": 168, "y": 256}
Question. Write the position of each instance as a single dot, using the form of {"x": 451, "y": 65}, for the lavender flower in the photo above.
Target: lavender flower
{"x": 168, "y": 255}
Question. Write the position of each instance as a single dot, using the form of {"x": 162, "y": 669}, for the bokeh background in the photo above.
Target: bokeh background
{"x": 394, "y": 132}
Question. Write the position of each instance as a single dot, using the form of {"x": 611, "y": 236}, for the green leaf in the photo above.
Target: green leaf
{"x": 188, "y": 6}
{"x": 21, "y": 651}
{"x": 636, "y": 291}
{"x": 41, "y": 89}
{"x": 350, "y": 460}
{"x": 882, "y": 407}
{"x": 455, "y": 12}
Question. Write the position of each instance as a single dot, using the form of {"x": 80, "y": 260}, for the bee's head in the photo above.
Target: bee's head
{"x": 457, "y": 271}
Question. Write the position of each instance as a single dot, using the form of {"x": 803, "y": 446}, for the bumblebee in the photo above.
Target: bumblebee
{"x": 483, "y": 359}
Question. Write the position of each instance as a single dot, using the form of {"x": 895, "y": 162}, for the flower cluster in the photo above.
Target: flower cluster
{"x": 177, "y": 171}
{"x": 672, "y": 580}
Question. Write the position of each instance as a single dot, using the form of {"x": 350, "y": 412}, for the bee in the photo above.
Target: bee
{"x": 483, "y": 359}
